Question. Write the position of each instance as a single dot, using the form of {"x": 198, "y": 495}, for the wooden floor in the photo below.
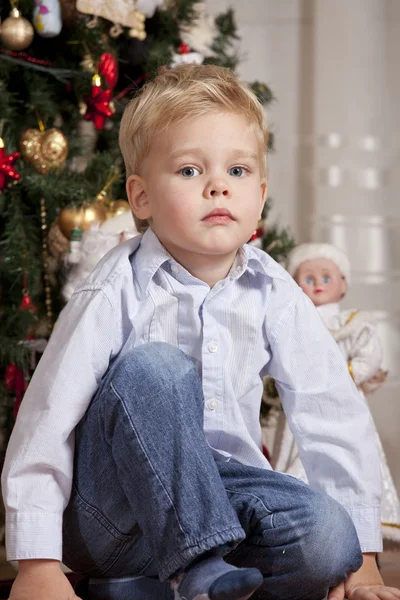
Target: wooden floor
{"x": 389, "y": 563}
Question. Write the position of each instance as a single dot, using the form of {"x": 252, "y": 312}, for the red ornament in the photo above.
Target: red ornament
{"x": 26, "y": 303}
{"x": 108, "y": 68}
{"x": 6, "y": 169}
{"x": 99, "y": 105}
{"x": 184, "y": 49}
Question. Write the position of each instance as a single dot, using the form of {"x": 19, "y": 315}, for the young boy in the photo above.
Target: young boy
{"x": 141, "y": 423}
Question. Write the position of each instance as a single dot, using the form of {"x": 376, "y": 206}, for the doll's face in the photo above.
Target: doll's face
{"x": 321, "y": 280}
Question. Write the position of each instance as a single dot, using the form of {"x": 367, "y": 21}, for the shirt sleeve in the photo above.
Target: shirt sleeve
{"x": 37, "y": 474}
{"x": 329, "y": 418}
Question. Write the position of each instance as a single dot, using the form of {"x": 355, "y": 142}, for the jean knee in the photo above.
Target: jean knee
{"x": 153, "y": 370}
{"x": 331, "y": 546}
{"x": 153, "y": 361}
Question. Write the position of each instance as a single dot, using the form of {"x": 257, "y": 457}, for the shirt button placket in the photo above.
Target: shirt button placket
{"x": 212, "y": 346}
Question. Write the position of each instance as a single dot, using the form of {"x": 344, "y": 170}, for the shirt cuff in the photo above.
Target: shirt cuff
{"x": 34, "y": 535}
{"x": 367, "y": 521}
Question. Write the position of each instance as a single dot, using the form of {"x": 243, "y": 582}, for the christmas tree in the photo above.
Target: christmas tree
{"x": 67, "y": 70}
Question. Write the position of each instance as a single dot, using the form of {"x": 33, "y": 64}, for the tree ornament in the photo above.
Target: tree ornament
{"x": 185, "y": 56}
{"x": 122, "y": 13}
{"x": 16, "y": 32}
{"x": 74, "y": 253}
{"x": 26, "y": 302}
{"x": 6, "y": 166}
{"x": 81, "y": 217}
{"x": 98, "y": 106}
{"x": 108, "y": 68}
{"x": 44, "y": 150}
{"x": 117, "y": 207}
{"x": 47, "y": 18}
{"x": 138, "y": 30}
{"x": 183, "y": 49}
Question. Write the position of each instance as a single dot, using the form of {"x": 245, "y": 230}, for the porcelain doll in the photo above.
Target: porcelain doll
{"x": 323, "y": 272}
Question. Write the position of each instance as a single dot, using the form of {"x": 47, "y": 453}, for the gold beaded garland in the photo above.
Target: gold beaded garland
{"x": 46, "y": 276}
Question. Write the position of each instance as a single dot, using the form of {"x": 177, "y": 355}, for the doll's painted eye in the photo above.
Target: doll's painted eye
{"x": 326, "y": 279}
{"x": 309, "y": 280}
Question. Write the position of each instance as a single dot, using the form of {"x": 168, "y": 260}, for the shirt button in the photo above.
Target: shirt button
{"x": 175, "y": 268}
{"x": 213, "y": 346}
{"x": 212, "y": 404}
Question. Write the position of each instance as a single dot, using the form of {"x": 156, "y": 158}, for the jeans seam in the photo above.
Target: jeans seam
{"x": 104, "y": 571}
{"x": 148, "y": 459}
{"x": 270, "y": 512}
{"x": 98, "y": 515}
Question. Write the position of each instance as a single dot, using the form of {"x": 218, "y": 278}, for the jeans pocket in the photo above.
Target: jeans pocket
{"x": 91, "y": 544}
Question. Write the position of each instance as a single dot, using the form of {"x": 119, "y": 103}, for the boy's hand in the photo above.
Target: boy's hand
{"x": 41, "y": 580}
{"x": 365, "y": 584}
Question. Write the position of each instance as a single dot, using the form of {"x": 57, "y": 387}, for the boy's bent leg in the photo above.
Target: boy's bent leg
{"x": 302, "y": 540}
{"x": 145, "y": 482}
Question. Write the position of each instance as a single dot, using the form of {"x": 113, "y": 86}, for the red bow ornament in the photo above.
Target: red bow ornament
{"x": 108, "y": 68}
{"x": 98, "y": 105}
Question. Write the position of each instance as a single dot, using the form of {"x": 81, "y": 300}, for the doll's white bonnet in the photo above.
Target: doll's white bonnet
{"x": 311, "y": 251}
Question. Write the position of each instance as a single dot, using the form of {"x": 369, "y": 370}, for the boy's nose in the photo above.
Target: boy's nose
{"x": 217, "y": 187}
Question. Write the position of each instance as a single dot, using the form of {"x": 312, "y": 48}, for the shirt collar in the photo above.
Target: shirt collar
{"x": 152, "y": 255}
{"x": 260, "y": 262}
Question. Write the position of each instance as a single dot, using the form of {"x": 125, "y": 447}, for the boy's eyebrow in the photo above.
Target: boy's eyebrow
{"x": 237, "y": 152}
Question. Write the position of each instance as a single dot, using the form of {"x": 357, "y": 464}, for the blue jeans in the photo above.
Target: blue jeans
{"x": 148, "y": 496}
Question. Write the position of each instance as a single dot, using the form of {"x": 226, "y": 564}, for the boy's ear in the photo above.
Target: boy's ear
{"x": 137, "y": 196}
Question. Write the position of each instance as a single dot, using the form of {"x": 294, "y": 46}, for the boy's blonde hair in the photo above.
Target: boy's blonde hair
{"x": 177, "y": 94}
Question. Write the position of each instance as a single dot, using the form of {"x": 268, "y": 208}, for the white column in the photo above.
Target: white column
{"x": 356, "y": 174}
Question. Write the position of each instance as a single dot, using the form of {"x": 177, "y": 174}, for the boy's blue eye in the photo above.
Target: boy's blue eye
{"x": 237, "y": 171}
{"x": 309, "y": 280}
{"x": 326, "y": 279}
{"x": 189, "y": 172}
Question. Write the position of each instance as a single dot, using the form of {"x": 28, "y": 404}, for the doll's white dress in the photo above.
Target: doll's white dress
{"x": 357, "y": 338}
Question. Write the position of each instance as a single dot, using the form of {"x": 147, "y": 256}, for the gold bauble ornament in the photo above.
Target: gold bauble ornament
{"x": 117, "y": 207}
{"x": 81, "y": 217}
{"x": 16, "y": 32}
{"x": 44, "y": 150}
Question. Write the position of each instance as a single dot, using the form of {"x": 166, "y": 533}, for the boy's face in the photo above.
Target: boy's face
{"x": 201, "y": 188}
{"x": 321, "y": 280}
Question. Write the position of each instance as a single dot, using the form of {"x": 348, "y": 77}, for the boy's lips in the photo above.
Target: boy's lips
{"x": 318, "y": 291}
{"x": 217, "y": 214}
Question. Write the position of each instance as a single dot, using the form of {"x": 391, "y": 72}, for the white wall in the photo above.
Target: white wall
{"x": 333, "y": 66}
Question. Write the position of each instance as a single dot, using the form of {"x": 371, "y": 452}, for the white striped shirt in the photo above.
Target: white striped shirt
{"x": 255, "y": 321}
